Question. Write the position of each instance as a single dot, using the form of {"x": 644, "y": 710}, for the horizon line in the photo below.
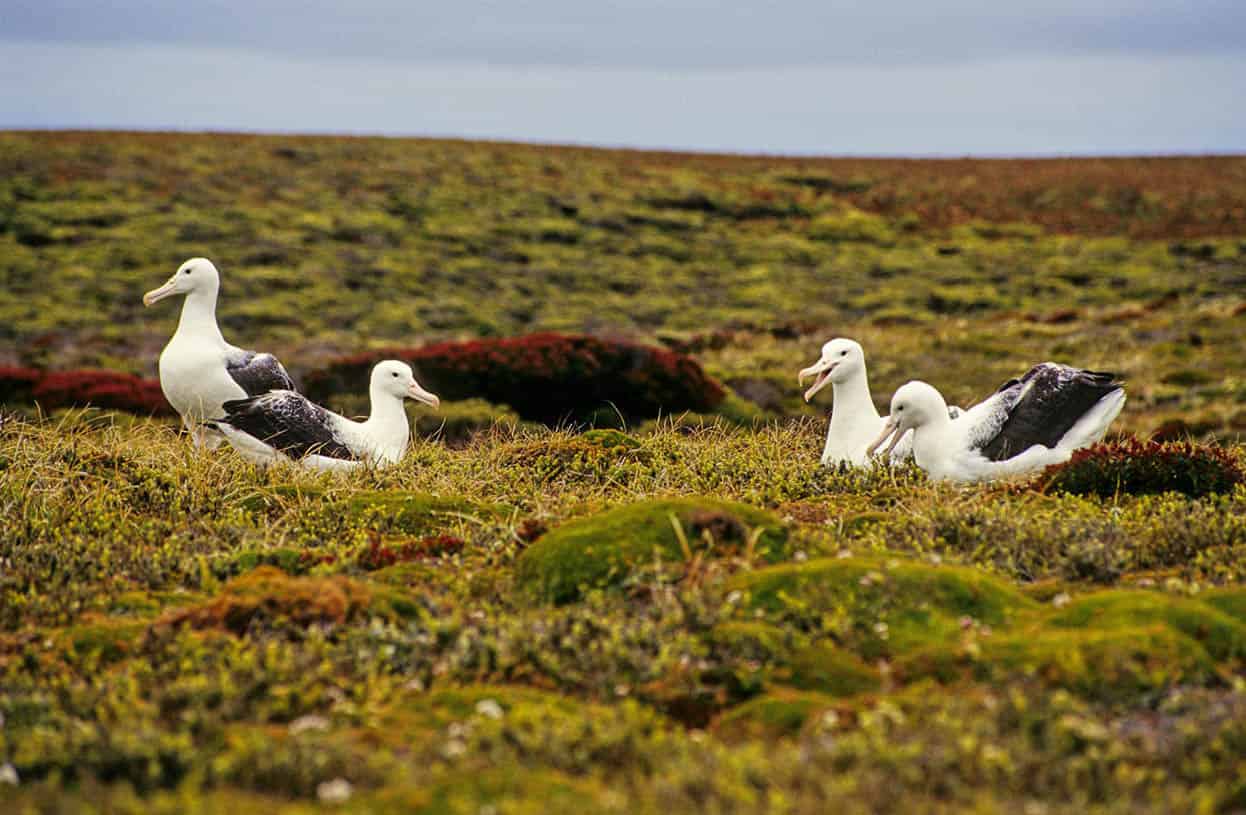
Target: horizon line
{"x": 616, "y": 147}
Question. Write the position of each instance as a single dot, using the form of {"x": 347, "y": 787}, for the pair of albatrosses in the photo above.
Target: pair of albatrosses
{"x": 1028, "y": 424}
{"x": 247, "y": 398}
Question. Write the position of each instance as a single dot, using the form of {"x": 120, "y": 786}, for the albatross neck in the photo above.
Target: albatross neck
{"x": 852, "y": 402}
{"x": 387, "y": 424}
{"x": 199, "y": 315}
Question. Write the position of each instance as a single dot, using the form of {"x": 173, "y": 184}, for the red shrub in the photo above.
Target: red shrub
{"x": 109, "y": 390}
{"x": 543, "y": 377}
{"x": 1136, "y": 467}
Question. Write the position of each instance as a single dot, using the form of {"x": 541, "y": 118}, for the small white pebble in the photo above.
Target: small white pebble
{"x": 454, "y": 748}
{"x": 489, "y": 708}
{"x": 733, "y": 597}
{"x": 334, "y": 792}
{"x": 844, "y": 554}
{"x": 800, "y": 557}
{"x": 8, "y": 775}
{"x": 1061, "y": 600}
{"x": 622, "y": 689}
{"x": 304, "y": 724}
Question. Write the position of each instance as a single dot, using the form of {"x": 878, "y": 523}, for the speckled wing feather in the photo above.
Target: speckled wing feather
{"x": 288, "y": 422}
{"x": 257, "y": 373}
{"x": 1047, "y": 402}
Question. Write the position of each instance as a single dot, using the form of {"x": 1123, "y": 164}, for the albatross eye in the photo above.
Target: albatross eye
{"x": 843, "y": 353}
{"x": 899, "y": 408}
{"x": 394, "y": 374}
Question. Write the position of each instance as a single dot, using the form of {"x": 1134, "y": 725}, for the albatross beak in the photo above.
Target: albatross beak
{"x": 156, "y": 295}
{"x": 823, "y": 367}
{"x": 890, "y": 427}
{"x": 420, "y": 395}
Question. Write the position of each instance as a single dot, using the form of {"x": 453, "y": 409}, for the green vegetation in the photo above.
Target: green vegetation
{"x": 183, "y": 631}
{"x": 607, "y": 548}
{"x": 687, "y": 615}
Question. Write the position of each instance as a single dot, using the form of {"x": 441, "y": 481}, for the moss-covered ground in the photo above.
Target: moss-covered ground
{"x": 685, "y": 616}
{"x": 477, "y": 631}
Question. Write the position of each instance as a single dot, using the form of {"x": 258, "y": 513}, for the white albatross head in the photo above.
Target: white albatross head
{"x": 841, "y": 360}
{"x": 396, "y": 379}
{"x": 913, "y": 405}
{"x": 195, "y": 275}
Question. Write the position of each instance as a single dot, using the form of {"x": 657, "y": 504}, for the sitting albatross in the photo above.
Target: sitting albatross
{"x": 284, "y": 424}
{"x": 854, "y": 419}
{"x": 199, "y": 371}
{"x": 1028, "y": 424}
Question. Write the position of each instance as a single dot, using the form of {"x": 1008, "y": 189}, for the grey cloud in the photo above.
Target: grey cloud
{"x": 1020, "y": 105}
{"x": 648, "y": 34}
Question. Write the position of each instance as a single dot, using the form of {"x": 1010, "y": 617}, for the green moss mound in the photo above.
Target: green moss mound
{"x": 1110, "y": 665}
{"x": 1229, "y": 600}
{"x": 830, "y": 670}
{"x": 781, "y": 713}
{"x": 881, "y": 607}
{"x": 1222, "y": 636}
{"x": 603, "y": 549}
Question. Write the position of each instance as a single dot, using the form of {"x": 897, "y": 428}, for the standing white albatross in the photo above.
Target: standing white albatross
{"x": 854, "y": 419}
{"x": 284, "y": 424}
{"x": 199, "y": 371}
{"x": 1028, "y": 424}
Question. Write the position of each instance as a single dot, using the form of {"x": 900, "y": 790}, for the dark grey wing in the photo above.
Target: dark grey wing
{"x": 257, "y": 373}
{"x": 289, "y": 422}
{"x": 1049, "y": 400}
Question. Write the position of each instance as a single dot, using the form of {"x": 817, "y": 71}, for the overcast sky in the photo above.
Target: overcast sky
{"x": 792, "y": 76}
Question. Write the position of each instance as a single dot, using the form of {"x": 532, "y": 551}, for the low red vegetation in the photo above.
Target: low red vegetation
{"x": 103, "y": 389}
{"x": 1135, "y": 466}
{"x": 543, "y": 377}
{"x": 267, "y": 596}
{"x": 378, "y": 555}
{"x": 109, "y": 390}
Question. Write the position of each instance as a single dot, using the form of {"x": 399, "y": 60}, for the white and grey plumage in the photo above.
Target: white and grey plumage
{"x": 1028, "y": 424}
{"x": 283, "y": 424}
{"x": 199, "y": 370}
{"x": 854, "y": 419}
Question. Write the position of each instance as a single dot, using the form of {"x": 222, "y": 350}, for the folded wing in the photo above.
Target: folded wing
{"x": 289, "y": 423}
{"x": 257, "y": 373}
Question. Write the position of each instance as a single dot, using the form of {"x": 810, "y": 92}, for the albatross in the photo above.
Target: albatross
{"x": 854, "y": 419}
{"x": 199, "y": 370}
{"x": 1028, "y": 424}
{"x": 283, "y": 424}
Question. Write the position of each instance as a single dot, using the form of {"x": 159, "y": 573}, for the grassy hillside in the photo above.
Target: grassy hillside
{"x": 960, "y": 272}
{"x": 688, "y": 616}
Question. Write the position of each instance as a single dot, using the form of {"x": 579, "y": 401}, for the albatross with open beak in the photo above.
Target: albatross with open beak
{"x": 854, "y": 419}
{"x": 199, "y": 370}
